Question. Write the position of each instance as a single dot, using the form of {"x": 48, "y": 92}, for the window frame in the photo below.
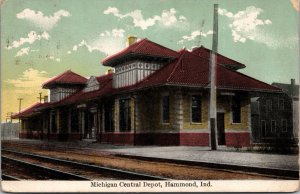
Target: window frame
{"x": 279, "y": 104}
{"x": 232, "y": 110}
{"x": 265, "y": 128}
{"x": 273, "y": 130}
{"x": 129, "y": 114}
{"x": 163, "y": 120}
{"x": 282, "y": 129}
{"x": 269, "y": 104}
{"x": 191, "y": 109}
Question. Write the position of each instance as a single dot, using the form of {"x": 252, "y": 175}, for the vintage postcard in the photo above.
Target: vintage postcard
{"x": 149, "y": 95}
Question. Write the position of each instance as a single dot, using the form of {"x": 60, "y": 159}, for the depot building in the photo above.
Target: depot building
{"x": 151, "y": 96}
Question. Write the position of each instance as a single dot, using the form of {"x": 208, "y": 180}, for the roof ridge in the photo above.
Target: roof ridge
{"x": 28, "y": 108}
{"x": 139, "y": 43}
{"x": 76, "y": 73}
{"x": 61, "y": 75}
{"x": 161, "y": 45}
{"x": 122, "y": 50}
{"x": 176, "y": 65}
{"x": 237, "y": 72}
{"x": 217, "y": 54}
{"x": 209, "y": 59}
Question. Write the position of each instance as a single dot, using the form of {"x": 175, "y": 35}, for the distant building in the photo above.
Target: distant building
{"x": 154, "y": 96}
{"x": 276, "y": 116}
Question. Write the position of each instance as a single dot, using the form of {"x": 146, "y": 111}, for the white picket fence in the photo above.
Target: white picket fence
{"x": 9, "y": 131}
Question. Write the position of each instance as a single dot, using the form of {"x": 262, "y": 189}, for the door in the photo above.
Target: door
{"x": 125, "y": 119}
{"x": 221, "y": 128}
{"x": 91, "y": 126}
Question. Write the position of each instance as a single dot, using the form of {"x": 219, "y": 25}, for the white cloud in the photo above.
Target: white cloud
{"x": 194, "y": 35}
{"x": 167, "y": 18}
{"x": 118, "y": 32}
{"x": 112, "y": 10}
{"x": 29, "y": 82}
{"x": 244, "y": 24}
{"x": 41, "y": 21}
{"x": 31, "y": 38}
{"x": 23, "y": 51}
{"x": 139, "y": 21}
{"x": 107, "y": 42}
{"x": 50, "y": 57}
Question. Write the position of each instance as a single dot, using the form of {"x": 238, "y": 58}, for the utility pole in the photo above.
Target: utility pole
{"x": 20, "y": 103}
{"x": 213, "y": 76}
{"x": 40, "y": 97}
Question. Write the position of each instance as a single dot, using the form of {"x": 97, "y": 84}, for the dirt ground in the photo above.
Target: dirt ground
{"x": 167, "y": 170}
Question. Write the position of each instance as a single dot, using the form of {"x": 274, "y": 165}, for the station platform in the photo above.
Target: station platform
{"x": 185, "y": 154}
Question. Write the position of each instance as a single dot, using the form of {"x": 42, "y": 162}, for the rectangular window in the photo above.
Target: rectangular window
{"x": 281, "y": 104}
{"x": 273, "y": 126}
{"x": 165, "y": 109}
{"x": 236, "y": 109}
{"x": 263, "y": 128}
{"x": 284, "y": 125}
{"x": 74, "y": 121}
{"x": 196, "y": 109}
{"x": 124, "y": 119}
{"x": 109, "y": 117}
{"x": 269, "y": 104}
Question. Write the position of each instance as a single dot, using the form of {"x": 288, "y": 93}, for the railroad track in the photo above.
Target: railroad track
{"x": 256, "y": 171}
{"x": 9, "y": 177}
{"x": 60, "y": 169}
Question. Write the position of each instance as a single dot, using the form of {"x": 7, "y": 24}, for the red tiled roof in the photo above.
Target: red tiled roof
{"x": 187, "y": 70}
{"x": 142, "y": 47}
{"x": 205, "y": 52}
{"x": 105, "y": 82}
{"x": 191, "y": 70}
{"x": 29, "y": 111}
{"x": 67, "y": 77}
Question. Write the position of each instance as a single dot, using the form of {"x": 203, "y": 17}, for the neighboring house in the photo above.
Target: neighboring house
{"x": 275, "y": 116}
{"x": 155, "y": 96}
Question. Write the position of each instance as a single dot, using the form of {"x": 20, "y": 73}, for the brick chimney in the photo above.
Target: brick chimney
{"x": 292, "y": 87}
{"x": 110, "y": 71}
{"x": 131, "y": 40}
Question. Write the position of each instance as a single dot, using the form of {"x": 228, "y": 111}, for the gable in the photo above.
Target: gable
{"x": 92, "y": 84}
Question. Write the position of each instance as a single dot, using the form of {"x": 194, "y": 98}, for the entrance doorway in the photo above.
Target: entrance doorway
{"x": 90, "y": 125}
{"x": 221, "y": 128}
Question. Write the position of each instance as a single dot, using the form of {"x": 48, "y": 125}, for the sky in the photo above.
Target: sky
{"x": 43, "y": 38}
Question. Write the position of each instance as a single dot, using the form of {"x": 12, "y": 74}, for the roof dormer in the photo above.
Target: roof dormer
{"x": 92, "y": 84}
{"x": 139, "y": 60}
{"x": 64, "y": 85}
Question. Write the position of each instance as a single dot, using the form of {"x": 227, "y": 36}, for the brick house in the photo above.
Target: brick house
{"x": 154, "y": 96}
{"x": 276, "y": 116}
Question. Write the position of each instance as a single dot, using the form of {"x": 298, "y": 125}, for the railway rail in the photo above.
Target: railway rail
{"x": 69, "y": 170}
{"x": 9, "y": 177}
{"x": 204, "y": 170}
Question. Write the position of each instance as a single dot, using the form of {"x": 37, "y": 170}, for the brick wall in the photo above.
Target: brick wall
{"x": 186, "y": 106}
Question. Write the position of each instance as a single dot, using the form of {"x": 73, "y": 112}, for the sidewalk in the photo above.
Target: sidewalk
{"x": 187, "y": 153}
{"x": 286, "y": 162}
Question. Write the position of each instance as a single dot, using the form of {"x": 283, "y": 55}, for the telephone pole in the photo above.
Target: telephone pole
{"x": 20, "y": 103}
{"x": 40, "y": 97}
{"x": 213, "y": 88}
